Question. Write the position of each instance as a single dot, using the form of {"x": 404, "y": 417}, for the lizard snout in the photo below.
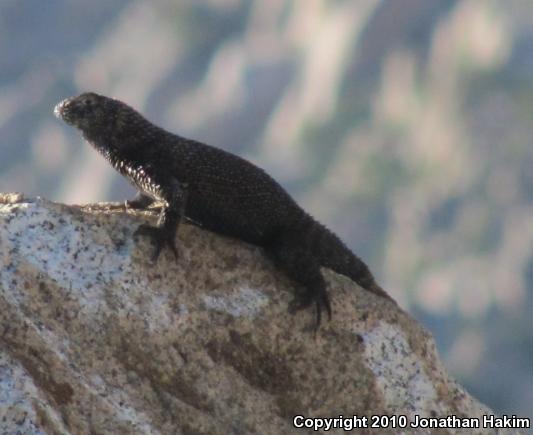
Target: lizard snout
{"x": 61, "y": 109}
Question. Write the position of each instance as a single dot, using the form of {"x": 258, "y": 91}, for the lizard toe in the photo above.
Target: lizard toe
{"x": 159, "y": 238}
{"x": 321, "y": 301}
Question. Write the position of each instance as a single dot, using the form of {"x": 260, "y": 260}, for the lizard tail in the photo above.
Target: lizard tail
{"x": 332, "y": 253}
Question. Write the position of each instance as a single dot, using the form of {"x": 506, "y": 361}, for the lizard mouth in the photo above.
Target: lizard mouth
{"x": 61, "y": 110}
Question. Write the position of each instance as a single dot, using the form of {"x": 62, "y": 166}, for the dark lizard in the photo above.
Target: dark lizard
{"x": 218, "y": 190}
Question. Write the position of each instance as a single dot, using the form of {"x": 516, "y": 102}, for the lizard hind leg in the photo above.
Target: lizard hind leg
{"x": 301, "y": 266}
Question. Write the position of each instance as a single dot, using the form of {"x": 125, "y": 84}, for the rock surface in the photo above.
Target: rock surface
{"x": 96, "y": 339}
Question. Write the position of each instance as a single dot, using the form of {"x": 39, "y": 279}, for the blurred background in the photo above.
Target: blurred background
{"x": 405, "y": 126}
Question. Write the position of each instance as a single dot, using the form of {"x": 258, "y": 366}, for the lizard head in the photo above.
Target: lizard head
{"x": 95, "y": 115}
{"x": 84, "y": 111}
{"x": 105, "y": 122}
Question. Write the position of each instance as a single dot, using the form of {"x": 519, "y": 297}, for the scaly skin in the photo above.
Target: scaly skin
{"x": 218, "y": 190}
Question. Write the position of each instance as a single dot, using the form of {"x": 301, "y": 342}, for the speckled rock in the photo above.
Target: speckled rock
{"x": 96, "y": 339}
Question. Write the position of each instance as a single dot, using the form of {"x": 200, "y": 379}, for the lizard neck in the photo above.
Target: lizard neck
{"x": 137, "y": 173}
{"x": 133, "y": 146}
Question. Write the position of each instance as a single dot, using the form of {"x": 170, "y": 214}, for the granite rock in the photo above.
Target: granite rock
{"x": 94, "y": 338}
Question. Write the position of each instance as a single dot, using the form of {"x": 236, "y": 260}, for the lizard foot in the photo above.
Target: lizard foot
{"x": 159, "y": 238}
{"x": 140, "y": 202}
{"x": 321, "y": 301}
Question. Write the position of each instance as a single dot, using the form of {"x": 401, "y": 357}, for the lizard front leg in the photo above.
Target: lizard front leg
{"x": 175, "y": 199}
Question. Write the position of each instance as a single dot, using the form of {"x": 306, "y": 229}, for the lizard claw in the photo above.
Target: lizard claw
{"x": 159, "y": 238}
{"x": 321, "y": 301}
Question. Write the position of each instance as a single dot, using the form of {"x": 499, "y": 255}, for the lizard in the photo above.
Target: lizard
{"x": 218, "y": 190}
